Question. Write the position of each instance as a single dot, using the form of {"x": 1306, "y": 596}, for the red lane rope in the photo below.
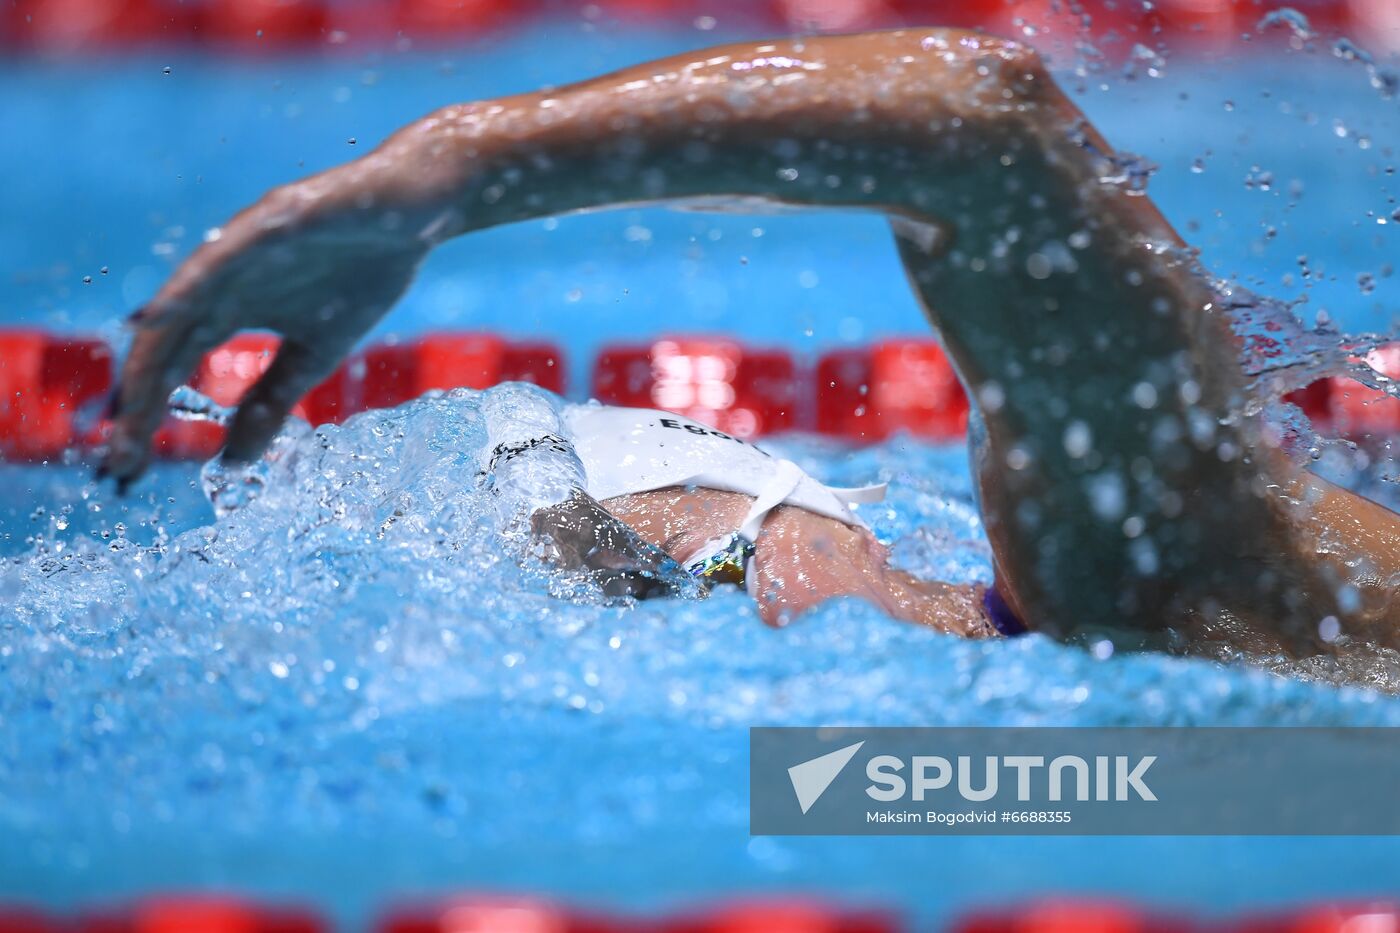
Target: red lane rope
{"x": 73, "y": 26}
{"x": 203, "y": 913}
{"x": 53, "y": 387}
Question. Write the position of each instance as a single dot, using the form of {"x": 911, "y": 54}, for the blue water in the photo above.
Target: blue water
{"x": 345, "y": 693}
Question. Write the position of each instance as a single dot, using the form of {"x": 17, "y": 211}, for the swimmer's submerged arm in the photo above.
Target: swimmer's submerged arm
{"x": 538, "y": 485}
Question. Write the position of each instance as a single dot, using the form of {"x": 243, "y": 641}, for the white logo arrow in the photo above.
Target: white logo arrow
{"x": 811, "y": 778}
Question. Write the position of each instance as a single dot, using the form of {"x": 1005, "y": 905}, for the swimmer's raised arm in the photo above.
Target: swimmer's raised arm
{"x": 925, "y": 125}
{"x": 1121, "y": 482}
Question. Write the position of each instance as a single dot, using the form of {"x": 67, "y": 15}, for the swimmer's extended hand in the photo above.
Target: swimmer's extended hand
{"x": 305, "y": 261}
{"x": 582, "y": 534}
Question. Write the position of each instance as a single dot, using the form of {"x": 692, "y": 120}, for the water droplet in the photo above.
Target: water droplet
{"x": 1130, "y": 172}
{"x": 1349, "y": 51}
{"x": 1386, "y": 82}
{"x": 992, "y": 397}
{"x": 1078, "y": 439}
{"x": 1144, "y": 59}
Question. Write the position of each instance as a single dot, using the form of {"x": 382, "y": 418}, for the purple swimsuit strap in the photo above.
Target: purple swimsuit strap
{"x": 1003, "y": 619}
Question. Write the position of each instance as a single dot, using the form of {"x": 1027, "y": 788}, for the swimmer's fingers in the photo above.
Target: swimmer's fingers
{"x": 168, "y": 343}
{"x": 290, "y": 264}
{"x": 201, "y": 305}
{"x": 294, "y": 371}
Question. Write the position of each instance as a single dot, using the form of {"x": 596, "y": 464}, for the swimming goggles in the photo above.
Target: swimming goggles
{"x": 727, "y": 562}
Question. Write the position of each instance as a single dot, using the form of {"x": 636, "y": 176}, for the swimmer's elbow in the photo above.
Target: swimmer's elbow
{"x": 984, "y": 76}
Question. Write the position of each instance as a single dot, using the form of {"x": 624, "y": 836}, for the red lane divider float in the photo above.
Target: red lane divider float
{"x": 1358, "y": 410}
{"x": 68, "y": 26}
{"x": 896, "y": 385}
{"x": 391, "y": 374}
{"x": 262, "y": 24}
{"x": 1346, "y": 408}
{"x": 1075, "y": 916}
{"x": 200, "y": 914}
{"x": 440, "y": 19}
{"x": 524, "y": 915}
{"x": 45, "y": 383}
{"x": 223, "y": 375}
{"x": 718, "y": 381}
{"x": 381, "y": 376}
{"x": 1380, "y": 917}
{"x": 51, "y": 387}
{"x": 784, "y": 916}
{"x": 517, "y": 914}
{"x": 497, "y": 915}
{"x": 25, "y": 920}
{"x": 73, "y": 26}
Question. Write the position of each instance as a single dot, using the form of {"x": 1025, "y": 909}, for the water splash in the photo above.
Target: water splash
{"x": 1288, "y": 18}
{"x": 1125, "y": 170}
{"x": 1280, "y": 354}
{"x": 1143, "y": 60}
{"x": 353, "y": 653}
{"x": 188, "y": 404}
{"x": 1383, "y": 80}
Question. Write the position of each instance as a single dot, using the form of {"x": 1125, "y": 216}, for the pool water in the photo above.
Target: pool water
{"x": 346, "y": 691}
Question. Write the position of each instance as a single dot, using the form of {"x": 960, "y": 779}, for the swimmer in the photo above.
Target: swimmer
{"x": 640, "y": 498}
{"x": 1125, "y": 482}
